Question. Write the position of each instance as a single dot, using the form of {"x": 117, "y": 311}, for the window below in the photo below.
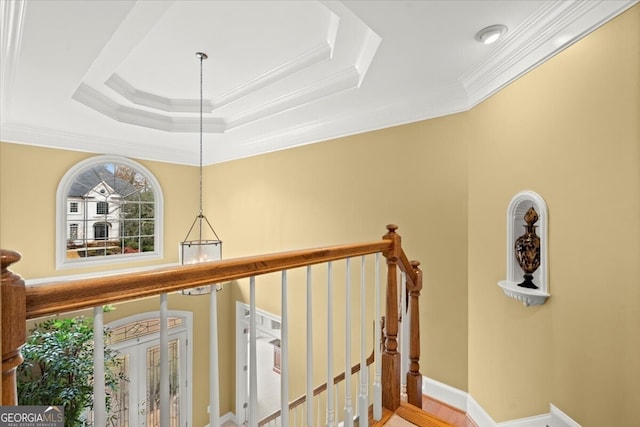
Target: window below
{"x": 102, "y": 208}
{"x": 108, "y": 209}
{"x": 135, "y": 401}
{"x": 73, "y": 231}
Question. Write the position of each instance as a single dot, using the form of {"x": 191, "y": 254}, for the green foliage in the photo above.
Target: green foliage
{"x": 58, "y": 368}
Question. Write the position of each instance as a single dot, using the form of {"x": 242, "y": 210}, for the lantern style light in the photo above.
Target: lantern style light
{"x": 206, "y": 245}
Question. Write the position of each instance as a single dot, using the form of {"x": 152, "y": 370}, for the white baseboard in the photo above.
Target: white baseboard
{"x": 465, "y": 402}
{"x": 536, "y": 421}
{"x": 445, "y": 393}
{"x": 478, "y": 414}
{"x": 560, "y": 419}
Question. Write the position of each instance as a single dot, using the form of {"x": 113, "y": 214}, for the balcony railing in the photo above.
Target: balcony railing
{"x": 394, "y": 377}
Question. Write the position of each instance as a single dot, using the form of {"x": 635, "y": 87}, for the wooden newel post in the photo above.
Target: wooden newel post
{"x": 13, "y": 309}
{"x": 414, "y": 377}
{"x": 390, "y": 356}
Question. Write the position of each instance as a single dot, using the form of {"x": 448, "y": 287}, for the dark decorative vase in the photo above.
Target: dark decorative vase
{"x": 527, "y": 249}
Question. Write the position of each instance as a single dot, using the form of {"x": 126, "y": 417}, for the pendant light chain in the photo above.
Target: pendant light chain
{"x": 202, "y": 249}
{"x": 201, "y": 220}
{"x": 202, "y": 57}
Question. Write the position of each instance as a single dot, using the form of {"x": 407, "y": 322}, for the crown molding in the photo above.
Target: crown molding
{"x": 334, "y": 83}
{"x": 539, "y": 38}
{"x": 344, "y": 79}
{"x": 311, "y": 57}
{"x": 135, "y": 96}
{"x": 367, "y": 53}
{"x": 146, "y": 99}
{"x": 101, "y": 103}
{"x": 12, "y": 14}
{"x": 55, "y": 139}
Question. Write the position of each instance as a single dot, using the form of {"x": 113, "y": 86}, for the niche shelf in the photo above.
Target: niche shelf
{"x": 518, "y": 206}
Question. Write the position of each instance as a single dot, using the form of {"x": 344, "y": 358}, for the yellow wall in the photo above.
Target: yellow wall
{"x": 29, "y": 180}
{"x": 568, "y": 130}
{"x": 29, "y": 177}
{"x": 347, "y": 191}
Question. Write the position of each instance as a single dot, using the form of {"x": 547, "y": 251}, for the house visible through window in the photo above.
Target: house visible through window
{"x": 102, "y": 208}
{"x": 113, "y": 211}
{"x": 101, "y": 231}
{"x": 73, "y": 231}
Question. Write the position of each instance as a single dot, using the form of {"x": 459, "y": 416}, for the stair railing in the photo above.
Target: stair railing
{"x": 18, "y": 303}
{"x": 317, "y": 391}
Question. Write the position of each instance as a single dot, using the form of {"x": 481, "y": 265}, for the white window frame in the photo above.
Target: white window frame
{"x": 62, "y": 262}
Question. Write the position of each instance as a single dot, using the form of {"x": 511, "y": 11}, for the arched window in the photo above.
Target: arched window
{"x": 109, "y": 210}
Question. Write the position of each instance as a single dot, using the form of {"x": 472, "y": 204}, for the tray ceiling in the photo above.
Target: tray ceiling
{"x": 121, "y": 77}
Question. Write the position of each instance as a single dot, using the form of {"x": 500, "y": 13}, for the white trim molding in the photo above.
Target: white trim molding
{"x": 560, "y": 419}
{"x": 68, "y": 179}
{"x": 445, "y": 393}
{"x": 463, "y": 401}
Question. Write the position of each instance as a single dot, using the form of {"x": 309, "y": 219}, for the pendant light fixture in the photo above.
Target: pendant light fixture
{"x": 202, "y": 248}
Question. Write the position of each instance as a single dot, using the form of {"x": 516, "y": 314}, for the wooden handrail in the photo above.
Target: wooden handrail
{"x": 60, "y": 297}
{"x": 19, "y": 302}
{"x": 316, "y": 391}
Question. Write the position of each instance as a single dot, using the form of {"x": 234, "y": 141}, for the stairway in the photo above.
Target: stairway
{"x": 408, "y": 416}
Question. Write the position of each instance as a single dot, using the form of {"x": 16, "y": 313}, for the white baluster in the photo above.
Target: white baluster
{"x": 363, "y": 397}
{"x": 337, "y": 392}
{"x": 99, "y": 392}
{"x": 309, "y": 402}
{"x": 164, "y": 362}
{"x": 214, "y": 375}
{"x": 330, "y": 407}
{"x": 377, "y": 386}
{"x": 404, "y": 337}
{"x": 253, "y": 377}
{"x": 294, "y": 413}
{"x": 348, "y": 408}
{"x": 284, "y": 360}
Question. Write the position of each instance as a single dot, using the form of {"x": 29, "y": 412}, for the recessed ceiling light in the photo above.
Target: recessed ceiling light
{"x": 491, "y": 34}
